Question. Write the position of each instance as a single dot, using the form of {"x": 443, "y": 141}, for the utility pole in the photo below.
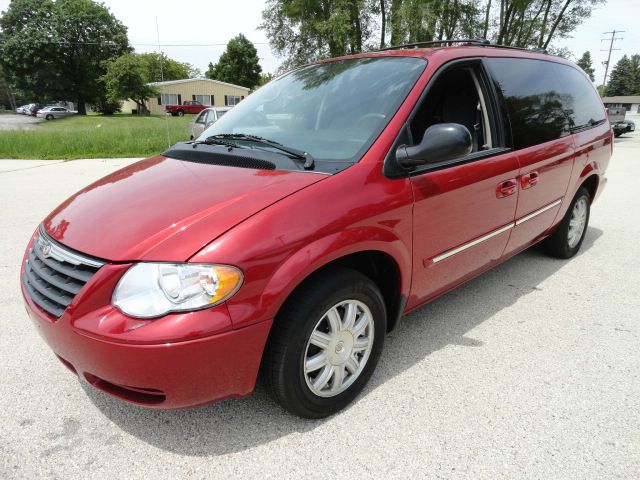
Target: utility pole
{"x": 610, "y": 40}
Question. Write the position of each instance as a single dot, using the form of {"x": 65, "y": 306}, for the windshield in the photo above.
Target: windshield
{"x": 333, "y": 110}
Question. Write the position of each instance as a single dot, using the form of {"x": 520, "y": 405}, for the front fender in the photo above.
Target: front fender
{"x": 264, "y": 293}
{"x": 320, "y": 253}
{"x": 277, "y": 248}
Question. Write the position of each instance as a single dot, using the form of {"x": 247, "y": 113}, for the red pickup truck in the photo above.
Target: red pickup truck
{"x": 188, "y": 106}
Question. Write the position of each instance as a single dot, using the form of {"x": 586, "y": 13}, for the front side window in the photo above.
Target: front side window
{"x": 332, "y": 110}
{"x": 545, "y": 100}
{"x": 456, "y": 97}
{"x": 202, "y": 117}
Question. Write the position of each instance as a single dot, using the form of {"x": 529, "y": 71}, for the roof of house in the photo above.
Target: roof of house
{"x": 622, "y": 99}
{"x": 187, "y": 80}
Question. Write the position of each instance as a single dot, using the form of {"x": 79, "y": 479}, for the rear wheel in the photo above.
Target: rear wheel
{"x": 325, "y": 343}
{"x": 181, "y": 113}
{"x": 567, "y": 239}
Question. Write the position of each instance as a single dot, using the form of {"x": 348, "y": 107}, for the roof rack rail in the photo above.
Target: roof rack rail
{"x": 477, "y": 42}
{"x": 467, "y": 41}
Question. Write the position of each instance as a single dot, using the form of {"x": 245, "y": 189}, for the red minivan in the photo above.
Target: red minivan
{"x": 294, "y": 233}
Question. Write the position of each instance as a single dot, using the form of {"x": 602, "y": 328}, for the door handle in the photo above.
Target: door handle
{"x": 529, "y": 180}
{"x": 506, "y": 188}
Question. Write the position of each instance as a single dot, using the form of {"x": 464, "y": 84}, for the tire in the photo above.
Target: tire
{"x": 318, "y": 392}
{"x": 181, "y": 113}
{"x": 49, "y": 117}
{"x": 568, "y": 237}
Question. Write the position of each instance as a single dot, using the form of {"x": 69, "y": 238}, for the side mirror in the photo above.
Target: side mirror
{"x": 209, "y": 124}
{"x": 441, "y": 142}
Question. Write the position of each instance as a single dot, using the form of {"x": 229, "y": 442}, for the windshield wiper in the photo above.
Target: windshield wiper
{"x": 215, "y": 141}
{"x": 294, "y": 152}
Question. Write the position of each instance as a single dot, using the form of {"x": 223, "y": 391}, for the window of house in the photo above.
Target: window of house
{"x": 169, "y": 99}
{"x": 231, "y": 100}
{"x": 204, "y": 99}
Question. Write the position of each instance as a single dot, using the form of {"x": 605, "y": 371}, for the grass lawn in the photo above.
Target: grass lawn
{"x": 94, "y": 136}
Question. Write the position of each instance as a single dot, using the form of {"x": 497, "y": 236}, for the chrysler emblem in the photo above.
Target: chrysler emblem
{"x": 45, "y": 249}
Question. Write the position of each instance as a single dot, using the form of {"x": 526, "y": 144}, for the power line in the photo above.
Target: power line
{"x": 191, "y": 44}
{"x": 108, "y": 43}
{"x": 611, "y": 40}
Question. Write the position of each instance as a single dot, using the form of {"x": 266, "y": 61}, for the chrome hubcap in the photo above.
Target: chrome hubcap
{"x": 338, "y": 348}
{"x": 577, "y": 222}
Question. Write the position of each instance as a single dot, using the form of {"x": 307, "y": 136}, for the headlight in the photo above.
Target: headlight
{"x": 149, "y": 290}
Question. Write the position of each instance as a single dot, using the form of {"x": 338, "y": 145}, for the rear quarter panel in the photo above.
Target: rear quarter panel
{"x": 593, "y": 149}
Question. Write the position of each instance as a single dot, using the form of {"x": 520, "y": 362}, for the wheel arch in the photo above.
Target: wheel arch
{"x": 382, "y": 262}
{"x": 590, "y": 181}
{"x": 378, "y": 266}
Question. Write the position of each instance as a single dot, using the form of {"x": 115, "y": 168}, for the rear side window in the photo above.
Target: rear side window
{"x": 545, "y": 100}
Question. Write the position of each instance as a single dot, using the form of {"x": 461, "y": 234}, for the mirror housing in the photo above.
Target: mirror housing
{"x": 441, "y": 142}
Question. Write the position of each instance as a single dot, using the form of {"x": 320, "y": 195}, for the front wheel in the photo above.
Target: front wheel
{"x": 567, "y": 239}
{"x": 325, "y": 343}
{"x": 49, "y": 117}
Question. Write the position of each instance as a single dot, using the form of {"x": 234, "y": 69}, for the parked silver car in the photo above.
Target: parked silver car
{"x": 52, "y": 112}
{"x": 206, "y": 118}
{"x": 24, "y": 109}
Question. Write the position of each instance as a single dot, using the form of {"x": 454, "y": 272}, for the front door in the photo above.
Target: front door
{"x": 463, "y": 211}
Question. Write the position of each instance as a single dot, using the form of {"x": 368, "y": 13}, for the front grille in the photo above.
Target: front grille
{"x": 53, "y": 274}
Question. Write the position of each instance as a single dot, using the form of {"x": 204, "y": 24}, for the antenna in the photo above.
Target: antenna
{"x": 608, "y": 61}
{"x": 166, "y": 120}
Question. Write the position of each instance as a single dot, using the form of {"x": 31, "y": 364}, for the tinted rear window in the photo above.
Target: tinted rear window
{"x": 545, "y": 100}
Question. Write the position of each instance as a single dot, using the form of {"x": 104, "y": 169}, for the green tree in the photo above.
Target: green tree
{"x": 635, "y": 74}
{"x": 126, "y": 77}
{"x": 302, "y": 30}
{"x": 7, "y": 96}
{"x": 265, "y": 78}
{"x": 624, "y": 77}
{"x": 426, "y": 20}
{"x": 535, "y": 23}
{"x": 586, "y": 64}
{"x": 57, "y": 50}
{"x": 158, "y": 67}
{"x": 239, "y": 64}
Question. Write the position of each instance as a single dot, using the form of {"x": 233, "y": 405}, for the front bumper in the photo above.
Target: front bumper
{"x": 171, "y": 374}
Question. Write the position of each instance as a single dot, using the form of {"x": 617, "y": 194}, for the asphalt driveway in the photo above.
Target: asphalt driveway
{"x": 530, "y": 371}
{"x": 14, "y": 121}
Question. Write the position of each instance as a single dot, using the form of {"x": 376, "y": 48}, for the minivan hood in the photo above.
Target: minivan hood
{"x": 164, "y": 209}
